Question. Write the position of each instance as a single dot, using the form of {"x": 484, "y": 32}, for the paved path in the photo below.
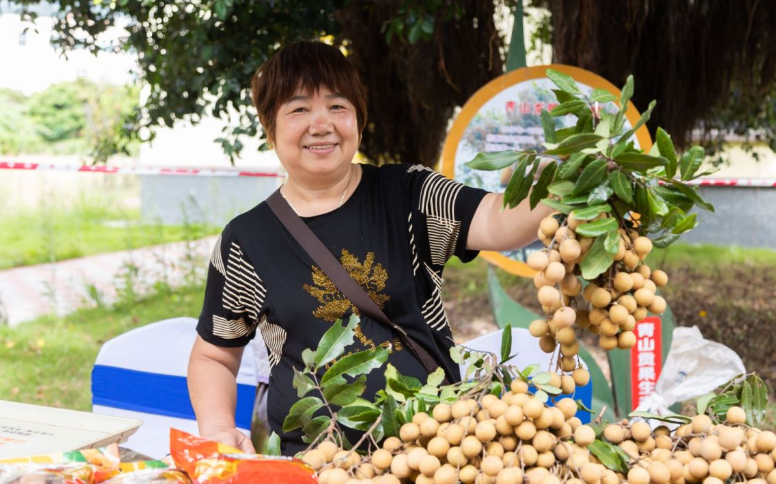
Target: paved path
{"x": 62, "y": 287}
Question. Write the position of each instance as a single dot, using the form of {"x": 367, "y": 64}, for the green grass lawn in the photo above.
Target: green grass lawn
{"x": 49, "y": 361}
{"x": 38, "y": 236}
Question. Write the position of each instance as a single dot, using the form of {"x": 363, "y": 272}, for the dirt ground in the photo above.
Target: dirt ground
{"x": 733, "y": 305}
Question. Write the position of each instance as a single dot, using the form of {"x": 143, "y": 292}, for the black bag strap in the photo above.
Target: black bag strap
{"x": 339, "y": 276}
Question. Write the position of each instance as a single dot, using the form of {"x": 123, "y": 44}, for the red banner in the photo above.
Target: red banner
{"x": 646, "y": 359}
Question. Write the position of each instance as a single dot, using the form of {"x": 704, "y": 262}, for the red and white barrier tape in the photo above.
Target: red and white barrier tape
{"x": 150, "y": 170}
{"x": 136, "y": 170}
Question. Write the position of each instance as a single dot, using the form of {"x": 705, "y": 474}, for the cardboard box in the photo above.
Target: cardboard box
{"x": 27, "y": 430}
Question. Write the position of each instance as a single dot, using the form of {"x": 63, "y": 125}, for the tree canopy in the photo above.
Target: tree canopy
{"x": 711, "y": 64}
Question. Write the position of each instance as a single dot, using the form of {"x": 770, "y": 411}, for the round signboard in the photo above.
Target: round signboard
{"x": 505, "y": 115}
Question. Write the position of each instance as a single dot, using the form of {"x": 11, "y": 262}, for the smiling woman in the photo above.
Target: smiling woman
{"x": 393, "y": 229}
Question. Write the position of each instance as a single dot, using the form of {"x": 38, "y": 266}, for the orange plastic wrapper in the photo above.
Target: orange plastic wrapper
{"x": 208, "y": 462}
{"x": 86, "y": 466}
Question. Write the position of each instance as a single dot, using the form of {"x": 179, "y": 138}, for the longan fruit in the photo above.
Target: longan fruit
{"x": 721, "y": 469}
{"x": 567, "y": 383}
{"x": 485, "y": 431}
{"x": 546, "y": 459}
{"x": 618, "y": 314}
{"x": 640, "y": 431}
{"x": 642, "y": 246}
{"x": 555, "y": 272}
{"x": 644, "y": 297}
{"x": 664, "y": 442}
{"x": 562, "y": 451}
{"x": 514, "y": 415}
{"x": 333, "y": 476}
{"x": 608, "y": 328}
{"x": 381, "y": 459}
{"x": 701, "y": 424}
{"x": 438, "y": 447}
{"x": 638, "y": 475}
{"x": 581, "y": 377}
{"x": 766, "y": 441}
{"x": 399, "y": 466}
{"x": 698, "y": 467}
{"x": 710, "y": 450}
{"x": 538, "y": 328}
{"x": 543, "y": 441}
{"x": 629, "y": 324}
{"x": 737, "y": 460}
{"x": 640, "y": 313}
{"x": 628, "y": 302}
{"x": 519, "y": 386}
{"x": 712, "y": 480}
{"x": 597, "y": 315}
{"x": 564, "y": 317}
{"x": 429, "y": 427}
{"x": 468, "y": 424}
{"x": 626, "y": 340}
{"x": 764, "y": 463}
{"x": 567, "y": 364}
{"x": 415, "y": 456}
{"x": 528, "y": 455}
{"x": 389, "y": 479}
{"x": 494, "y": 448}
{"x": 648, "y": 284}
{"x": 549, "y": 225}
{"x": 508, "y": 442}
{"x": 538, "y": 475}
{"x": 471, "y": 446}
{"x": 644, "y": 270}
{"x": 675, "y": 468}
{"x": 446, "y": 474}
{"x": 409, "y": 432}
{"x": 526, "y": 430}
{"x": 584, "y": 435}
{"x": 456, "y": 458}
{"x": 570, "y": 250}
{"x": 730, "y": 437}
{"x": 533, "y": 408}
{"x": 631, "y": 259}
{"x": 503, "y": 427}
{"x": 454, "y": 434}
{"x": 591, "y": 473}
{"x": 609, "y": 477}
{"x": 601, "y": 298}
{"x": 630, "y": 448}
{"x": 658, "y": 306}
{"x": 428, "y": 465}
{"x": 607, "y": 342}
{"x": 659, "y": 278}
{"x": 510, "y": 475}
{"x": 547, "y": 344}
{"x": 468, "y": 474}
{"x": 329, "y": 449}
{"x": 659, "y": 473}
{"x": 442, "y": 412}
{"x": 735, "y": 415}
{"x": 751, "y": 468}
{"x": 614, "y": 433}
{"x": 538, "y": 260}
{"x": 315, "y": 458}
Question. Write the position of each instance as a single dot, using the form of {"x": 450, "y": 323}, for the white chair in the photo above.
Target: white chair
{"x": 526, "y": 350}
{"x": 141, "y": 374}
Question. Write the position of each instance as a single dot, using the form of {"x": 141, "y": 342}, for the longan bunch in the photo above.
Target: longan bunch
{"x": 612, "y": 303}
{"x": 492, "y": 440}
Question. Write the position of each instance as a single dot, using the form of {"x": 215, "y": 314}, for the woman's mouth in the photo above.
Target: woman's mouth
{"x": 321, "y": 148}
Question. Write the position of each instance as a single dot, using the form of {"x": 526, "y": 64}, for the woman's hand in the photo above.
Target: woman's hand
{"x": 231, "y": 437}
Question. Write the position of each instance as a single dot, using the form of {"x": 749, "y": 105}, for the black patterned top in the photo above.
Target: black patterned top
{"x": 393, "y": 235}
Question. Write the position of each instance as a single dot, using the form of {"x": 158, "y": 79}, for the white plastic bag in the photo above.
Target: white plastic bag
{"x": 694, "y": 367}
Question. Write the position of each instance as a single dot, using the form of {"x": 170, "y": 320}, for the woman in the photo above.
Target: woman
{"x": 393, "y": 228}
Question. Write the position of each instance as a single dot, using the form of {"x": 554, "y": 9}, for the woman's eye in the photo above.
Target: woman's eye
{"x": 298, "y": 110}
{"x": 337, "y": 106}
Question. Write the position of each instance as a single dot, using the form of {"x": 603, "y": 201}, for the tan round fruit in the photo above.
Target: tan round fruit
{"x": 712, "y": 480}
{"x": 419, "y": 417}
{"x": 701, "y": 424}
{"x": 644, "y": 270}
{"x": 565, "y": 336}
{"x": 629, "y": 324}
{"x": 537, "y": 475}
{"x": 471, "y": 446}
{"x": 647, "y": 445}
{"x": 564, "y": 317}
{"x": 675, "y": 468}
{"x": 528, "y": 455}
{"x": 626, "y": 340}
{"x": 545, "y": 420}
{"x": 538, "y": 260}
{"x": 438, "y": 447}
{"x": 415, "y": 456}
{"x": 460, "y": 409}
{"x": 485, "y": 431}
{"x": 648, "y": 284}
{"x": 721, "y": 469}
{"x": 628, "y": 302}
{"x": 555, "y": 272}
{"x": 468, "y": 474}
{"x": 429, "y": 427}
{"x": 540, "y": 281}
{"x": 399, "y": 466}
{"x": 315, "y": 458}
{"x": 750, "y": 470}
{"x": 638, "y": 281}
{"x": 771, "y": 477}
{"x": 570, "y": 250}
{"x": 623, "y": 282}
{"x": 659, "y": 278}
{"x": 510, "y": 476}
{"x": 631, "y": 260}
{"x": 764, "y": 463}
{"x": 592, "y": 473}
{"x": 570, "y": 285}
{"x": 607, "y": 342}
{"x": 333, "y": 476}
{"x": 584, "y": 435}
{"x": 454, "y": 434}
{"x": 442, "y": 413}
{"x": 642, "y": 246}
{"x": 503, "y": 427}
{"x": 533, "y": 408}
{"x": 614, "y": 433}
{"x": 618, "y": 314}
{"x": 659, "y": 473}
{"x": 508, "y": 442}
{"x": 549, "y": 225}
{"x": 409, "y": 432}
{"x": 644, "y": 297}
{"x": 597, "y": 315}
{"x": 694, "y": 446}
{"x": 428, "y": 465}
{"x": 456, "y": 458}
{"x": 567, "y": 384}
{"x": 491, "y": 465}
{"x": 569, "y": 350}
{"x": 730, "y": 437}
{"x": 664, "y": 442}
{"x": 630, "y": 448}
{"x": 640, "y": 313}
{"x": 638, "y": 475}
{"x": 581, "y": 377}
{"x": 546, "y": 459}
{"x": 567, "y": 406}
{"x": 562, "y": 451}
{"x": 538, "y": 328}
{"x": 608, "y": 327}
{"x": 497, "y": 408}
{"x": 766, "y": 441}
{"x": 640, "y": 431}
{"x": 329, "y": 449}
{"x": 381, "y": 459}
{"x": 601, "y": 298}
{"x": 547, "y": 344}
{"x": 737, "y": 460}
{"x": 543, "y": 441}
{"x": 698, "y": 467}
{"x": 468, "y": 424}
{"x": 658, "y": 306}
{"x": 519, "y": 386}
{"x": 446, "y": 474}
{"x": 514, "y": 415}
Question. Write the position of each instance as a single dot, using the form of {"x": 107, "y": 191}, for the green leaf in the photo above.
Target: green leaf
{"x": 561, "y": 188}
{"x": 542, "y": 396}
{"x": 592, "y": 175}
{"x": 564, "y": 81}
{"x": 569, "y": 107}
{"x": 626, "y": 94}
{"x": 334, "y": 342}
{"x": 541, "y": 378}
{"x": 691, "y": 193}
{"x": 621, "y": 185}
{"x": 506, "y": 343}
{"x": 612, "y": 242}
{"x": 405, "y": 385}
{"x": 665, "y": 240}
{"x": 703, "y": 402}
{"x": 685, "y": 224}
{"x": 317, "y": 425}
{"x": 356, "y": 364}
{"x": 667, "y": 151}
{"x": 302, "y": 383}
{"x": 436, "y": 378}
{"x": 589, "y": 213}
{"x": 540, "y": 190}
{"x": 273, "y": 445}
{"x": 455, "y": 354}
{"x": 599, "y": 227}
{"x": 513, "y": 187}
{"x": 602, "y": 96}
{"x": 221, "y": 9}
{"x": 581, "y": 406}
{"x": 754, "y": 399}
{"x": 359, "y": 415}
{"x": 415, "y": 31}
{"x": 525, "y": 187}
{"x": 640, "y": 162}
{"x": 551, "y": 389}
{"x": 690, "y": 162}
{"x": 390, "y": 426}
{"x": 340, "y": 392}
{"x": 308, "y": 357}
{"x": 562, "y": 97}
{"x": 548, "y": 126}
{"x": 575, "y": 143}
{"x": 561, "y": 207}
{"x": 598, "y": 260}
{"x": 670, "y": 418}
{"x": 496, "y": 160}
{"x": 609, "y": 456}
{"x": 570, "y": 168}
{"x": 301, "y": 413}
{"x": 643, "y": 119}
{"x": 657, "y": 205}
{"x": 600, "y": 194}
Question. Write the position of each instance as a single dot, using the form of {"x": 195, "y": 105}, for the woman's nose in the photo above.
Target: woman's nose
{"x": 320, "y": 123}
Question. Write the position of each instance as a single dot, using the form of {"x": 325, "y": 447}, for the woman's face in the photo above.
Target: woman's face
{"x": 316, "y": 136}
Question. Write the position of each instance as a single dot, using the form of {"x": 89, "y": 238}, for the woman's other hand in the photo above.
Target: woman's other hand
{"x": 233, "y": 438}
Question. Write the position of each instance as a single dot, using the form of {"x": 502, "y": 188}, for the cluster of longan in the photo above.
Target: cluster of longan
{"x": 613, "y": 302}
{"x": 505, "y": 440}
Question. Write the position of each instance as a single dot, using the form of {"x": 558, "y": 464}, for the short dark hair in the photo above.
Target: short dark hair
{"x": 310, "y": 64}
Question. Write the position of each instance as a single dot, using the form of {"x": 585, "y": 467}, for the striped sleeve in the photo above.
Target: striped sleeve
{"x": 234, "y": 296}
{"x": 441, "y": 211}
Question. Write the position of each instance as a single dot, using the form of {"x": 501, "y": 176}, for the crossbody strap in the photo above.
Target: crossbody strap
{"x": 339, "y": 276}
